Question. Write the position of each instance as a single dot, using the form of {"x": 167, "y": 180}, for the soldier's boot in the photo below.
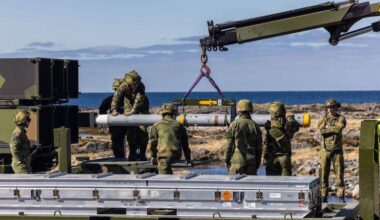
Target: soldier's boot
{"x": 324, "y": 193}
{"x": 132, "y": 156}
{"x": 340, "y": 194}
{"x": 164, "y": 167}
{"x": 235, "y": 169}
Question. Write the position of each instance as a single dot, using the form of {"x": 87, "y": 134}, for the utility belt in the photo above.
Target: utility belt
{"x": 335, "y": 150}
{"x": 277, "y": 154}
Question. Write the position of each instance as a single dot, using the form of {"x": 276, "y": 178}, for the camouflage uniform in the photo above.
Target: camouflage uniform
{"x": 117, "y": 132}
{"x": 168, "y": 138}
{"x": 135, "y": 102}
{"x": 20, "y": 145}
{"x": 278, "y": 151}
{"x": 244, "y": 143}
{"x": 331, "y": 127}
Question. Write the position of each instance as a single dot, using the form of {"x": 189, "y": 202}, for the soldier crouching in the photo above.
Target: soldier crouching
{"x": 167, "y": 139}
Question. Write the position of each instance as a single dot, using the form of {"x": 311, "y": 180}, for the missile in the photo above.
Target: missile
{"x": 189, "y": 119}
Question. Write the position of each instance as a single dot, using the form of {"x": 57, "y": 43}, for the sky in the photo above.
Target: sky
{"x": 160, "y": 40}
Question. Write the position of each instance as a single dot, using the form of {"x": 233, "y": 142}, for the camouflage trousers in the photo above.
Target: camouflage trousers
{"x": 278, "y": 165}
{"x": 137, "y": 138}
{"x": 20, "y": 167}
{"x": 336, "y": 158}
{"x": 240, "y": 168}
{"x": 118, "y": 141}
{"x": 164, "y": 166}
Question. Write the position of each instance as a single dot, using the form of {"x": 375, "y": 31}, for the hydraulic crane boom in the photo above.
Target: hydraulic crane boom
{"x": 336, "y": 18}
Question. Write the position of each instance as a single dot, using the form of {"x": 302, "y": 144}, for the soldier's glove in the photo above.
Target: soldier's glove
{"x": 128, "y": 112}
{"x": 189, "y": 162}
{"x": 228, "y": 164}
{"x": 154, "y": 161}
{"x": 114, "y": 112}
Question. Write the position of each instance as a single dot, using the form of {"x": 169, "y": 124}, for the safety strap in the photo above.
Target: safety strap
{"x": 204, "y": 72}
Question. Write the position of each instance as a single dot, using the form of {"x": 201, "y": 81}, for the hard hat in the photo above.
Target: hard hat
{"x": 168, "y": 109}
{"x": 277, "y": 109}
{"x": 22, "y": 117}
{"x": 245, "y": 105}
{"x": 132, "y": 77}
{"x": 332, "y": 103}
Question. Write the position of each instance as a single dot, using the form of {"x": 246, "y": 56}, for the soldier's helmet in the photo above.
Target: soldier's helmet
{"x": 22, "y": 117}
{"x": 116, "y": 83}
{"x": 168, "y": 109}
{"x": 245, "y": 105}
{"x": 332, "y": 103}
{"x": 277, "y": 109}
{"x": 132, "y": 77}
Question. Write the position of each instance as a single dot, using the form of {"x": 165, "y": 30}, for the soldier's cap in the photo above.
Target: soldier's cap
{"x": 168, "y": 108}
{"x": 21, "y": 117}
{"x": 332, "y": 103}
{"x": 132, "y": 77}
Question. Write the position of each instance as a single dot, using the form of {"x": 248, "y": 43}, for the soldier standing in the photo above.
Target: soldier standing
{"x": 278, "y": 151}
{"x": 132, "y": 93}
{"x": 331, "y": 127}
{"x": 167, "y": 139}
{"x": 244, "y": 142}
{"x": 117, "y": 132}
{"x": 20, "y": 145}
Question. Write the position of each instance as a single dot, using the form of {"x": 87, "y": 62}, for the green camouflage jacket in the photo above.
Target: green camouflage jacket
{"x": 331, "y": 128}
{"x": 20, "y": 149}
{"x": 244, "y": 142}
{"x": 167, "y": 139}
{"x": 134, "y": 100}
{"x": 278, "y": 137}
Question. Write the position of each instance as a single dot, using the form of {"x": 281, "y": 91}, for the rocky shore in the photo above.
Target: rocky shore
{"x": 209, "y": 142}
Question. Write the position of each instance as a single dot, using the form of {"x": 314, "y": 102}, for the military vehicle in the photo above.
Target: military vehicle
{"x": 42, "y": 86}
{"x": 189, "y": 196}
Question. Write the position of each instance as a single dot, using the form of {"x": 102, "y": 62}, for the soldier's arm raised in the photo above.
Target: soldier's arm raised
{"x": 292, "y": 126}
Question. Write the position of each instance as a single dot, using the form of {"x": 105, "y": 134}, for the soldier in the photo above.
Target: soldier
{"x": 168, "y": 138}
{"x": 117, "y": 132}
{"x": 278, "y": 151}
{"x": 132, "y": 93}
{"x": 244, "y": 142}
{"x": 19, "y": 144}
{"x": 331, "y": 127}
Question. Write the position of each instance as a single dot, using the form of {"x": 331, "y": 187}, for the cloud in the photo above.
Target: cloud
{"x": 298, "y": 61}
{"x": 316, "y": 45}
{"x": 42, "y": 44}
